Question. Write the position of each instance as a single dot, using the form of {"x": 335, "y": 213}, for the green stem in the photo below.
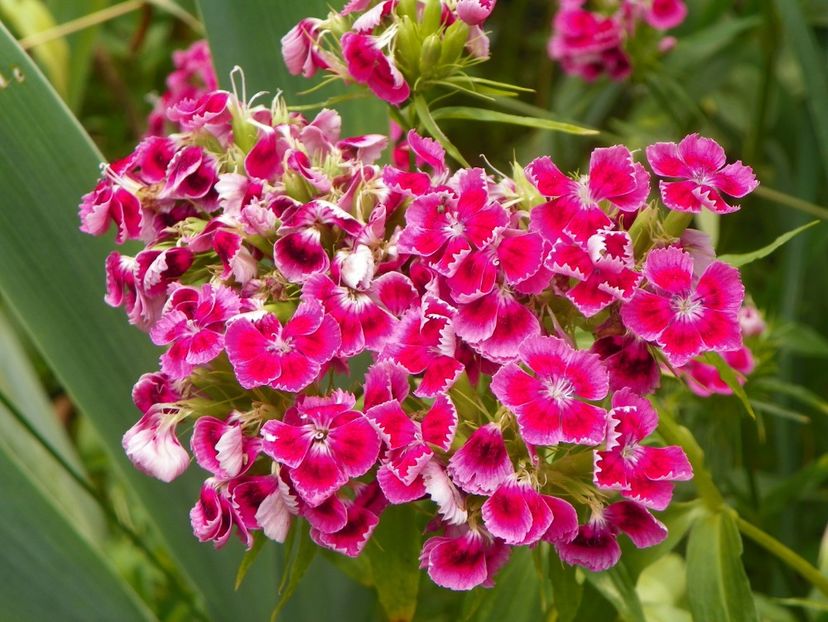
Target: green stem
{"x": 775, "y": 547}
{"x": 794, "y": 202}
{"x": 676, "y": 223}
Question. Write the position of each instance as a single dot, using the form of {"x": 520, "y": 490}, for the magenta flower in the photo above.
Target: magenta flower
{"x": 222, "y": 448}
{"x": 463, "y": 559}
{"x": 361, "y": 518}
{"x": 324, "y": 443}
{"x": 665, "y": 14}
{"x": 385, "y": 380}
{"x": 482, "y": 463}
{"x": 551, "y": 405}
{"x": 368, "y": 65}
{"x": 629, "y": 363}
{"x": 517, "y": 513}
{"x": 704, "y": 379}
{"x": 300, "y": 49}
{"x": 596, "y": 545}
{"x": 191, "y": 174}
{"x": 684, "y": 318}
{"x": 152, "y": 446}
{"x": 288, "y": 357}
{"x": 107, "y": 204}
{"x": 475, "y": 12}
{"x": 193, "y": 322}
{"x": 641, "y": 473}
{"x": 588, "y": 44}
{"x": 700, "y": 162}
{"x": 213, "y": 517}
{"x": 574, "y": 210}
{"x": 264, "y": 502}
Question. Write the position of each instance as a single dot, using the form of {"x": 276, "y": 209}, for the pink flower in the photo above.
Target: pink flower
{"x": 704, "y": 379}
{"x": 300, "y": 49}
{"x": 475, "y": 12}
{"x": 361, "y": 518}
{"x": 384, "y": 381}
{"x": 683, "y": 318}
{"x": 550, "y": 405}
{"x": 596, "y": 545}
{"x": 288, "y": 357}
{"x": 152, "y": 446}
{"x": 588, "y": 44}
{"x": 629, "y": 363}
{"x": 191, "y": 174}
{"x": 700, "y": 162}
{"x": 111, "y": 204}
{"x": 613, "y": 177}
{"x": 641, "y": 473}
{"x": 152, "y": 389}
{"x": 368, "y": 65}
{"x": 665, "y": 14}
{"x": 264, "y": 502}
{"x": 463, "y": 559}
{"x": 323, "y": 442}
{"x": 193, "y": 322}
{"x": 482, "y": 463}
{"x": 213, "y": 517}
{"x": 517, "y": 513}
{"x": 222, "y": 448}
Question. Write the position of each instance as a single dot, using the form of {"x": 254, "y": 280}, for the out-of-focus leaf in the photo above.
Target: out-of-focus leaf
{"x": 799, "y": 393}
{"x": 802, "y": 340}
{"x": 566, "y": 590}
{"x": 730, "y": 378}
{"x": 502, "y": 602}
{"x": 664, "y": 582}
{"x": 53, "y": 280}
{"x": 694, "y": 49}
{"x": 28, "y": 17}
{"x": 49, "y": 569}
{"x": 465, "y": 113}
{"x": 393, "y": 553}
{"x": 248, "y": 34}
{"x": 250, "y": 557}
{"x": 296, "y": 567}
{"x": 717, "y": 586}
{"x": 618, "y": 588}
{"x": 746, "y": 258}
{"x": 795, "y": 487}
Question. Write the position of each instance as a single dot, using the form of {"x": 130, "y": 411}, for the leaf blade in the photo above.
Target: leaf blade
{"x": 469, "y": 113}
{"x": 745, "y": 258}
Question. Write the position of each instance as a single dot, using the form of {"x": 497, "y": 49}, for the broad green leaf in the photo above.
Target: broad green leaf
{"x": 717, "y": 586}
{"x": 730, "y": 378}
{"x": 248, "y": 34}
{"x": 466, "y": 113}
{"x": 48, "y": 568}
{"x": 617, "y": 586}
{"x": 296, "y": 567}
{"x": 393, "y": 553}
{"x": 53, "y": 280}
{"x": 566, "y": 589}
{"x": 746, "y": 258}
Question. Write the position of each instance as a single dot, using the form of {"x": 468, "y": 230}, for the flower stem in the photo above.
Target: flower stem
{"x": 775, "y": 547}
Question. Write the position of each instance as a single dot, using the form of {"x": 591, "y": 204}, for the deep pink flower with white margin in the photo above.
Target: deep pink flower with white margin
{"x": 550, "y": 405}
{"x": 665, "y": 14}
{"x": 222, "y": 448}
{"x": 704, "y": 379}
{"x": 684, "y": 318}
{"x": 109, "y": 203}
{"x": 629, "y": 363}
{"x": 153, "y": 447}
{"x": 368, "y": 65}
{"x": 596, "y": 545}
{"x": 191, "y": 174}
{"x": 641, "y": 473}
{"x": 193, "y": 321}
{"x": 300, "y": 49}
{"x": 464, "y": 558}
{"x": 603, "y": 267}
{"x": 324, "y": 443}
{"x": 495, "y": 325}
{"x": 409, "y": 441}
{"x": 264, "y": 502}
{"x": 424, "y": 343}
{"x": 445, "y": 227}
{"x": 517, "y": 513}
{"x": 700, "y": 162}
{"x": 154, "y": 388}
{"x": 482, "y": 463}
{"x": 361, "y": 518}
{"x": 289, "y": 357}
{"x": 385, "y": 380}
{"x": 475, "y": 12}
{"x": 213, "y": 516}
{"x": 575, "y": 209}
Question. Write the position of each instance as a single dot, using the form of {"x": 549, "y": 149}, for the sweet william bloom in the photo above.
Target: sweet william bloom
{"x": 152, "y": 446}
{"x": 463, "y": 558}
{"x": 107, "y": 204}
{"x": 629, "y": 363}
{"x": 684, "y": 318}
{"x": 574, "y": 209}
{"x": 482, "y": 463}
{"x": 323, "y": 442}
{"x": 596, "y": 545}
{"x": 222, "y": 448}
{"x": 641, "y": 473}
{"x": 700, "y": 163}
{"x": 517, "y": 513}
{"x": 289, "y": 357}
{"x": 300, "y": 50}
{"x": 264, "y": 502}
{"x": 193, "y": 322}
{"x": 213, "y": 517}
{"x": 704, "y": 379}
{"x": 368, "y": 65}
{"x": 550, "y": 403}
{"x": 475, "y": 12}
{"x": 154, "y": 388}
{"x": 361, "y": 518}
{"x": 665, "y": 14}
{"x": 385, "y": 380}
{"x": 191, "y": 174}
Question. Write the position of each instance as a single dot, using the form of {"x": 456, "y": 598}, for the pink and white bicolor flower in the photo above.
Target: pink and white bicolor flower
{"x": 324, "y": 443}
{"x": 475, "y": 12}
{"x": 222, "y": 448}
{"x": 361, "y": 518}
{"x": 596, "y": 545}
{"x": 213, "y": 516}
{"x": 289, "y": 357}
{"x": 153, "y": 447}
{"x": 551, "y": 405}
{"x": 640, "y": 473}
{"x": 264, "y": 502}
{"x": 686, "y": 318}
{"x": 464, "y": 558}
{"x": 482, "y": 463}
{"x": 700, "y": 163}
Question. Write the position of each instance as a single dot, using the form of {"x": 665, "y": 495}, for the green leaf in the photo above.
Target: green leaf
{"x": 566, "y": 589}
{"x": 617, "y": 586}
{"x": 48, "y": 568}
{"x": 393, "y": 553}
{"x": 424, "y": 114}
{"x": 802, "y": 340}
{"x": 717, "y": 586}
{"x": 695, "y": 48}
{"x": 746, "y": 258}
{"x": 502, "y": 603}
{"x": 466, "y": 113}
{"x": 248, "y": 34}
{"x": 250, "y": 557}
{"x": 296, "y": 568}
{"x": 730, "y": 378}
{"x": 53, "y": 280}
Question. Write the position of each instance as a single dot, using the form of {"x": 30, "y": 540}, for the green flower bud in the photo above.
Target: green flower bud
{"x": 430, "y": 54}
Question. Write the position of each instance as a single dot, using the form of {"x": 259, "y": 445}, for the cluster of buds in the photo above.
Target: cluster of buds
{"x": 512, "y": 328}
{"x": 595, "y": 43}
{"x": 391, "y": 46}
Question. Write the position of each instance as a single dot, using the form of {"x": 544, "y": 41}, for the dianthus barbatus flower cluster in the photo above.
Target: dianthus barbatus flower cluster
{"x": 592, "y": 43}
{"x": 280, "y": 258}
